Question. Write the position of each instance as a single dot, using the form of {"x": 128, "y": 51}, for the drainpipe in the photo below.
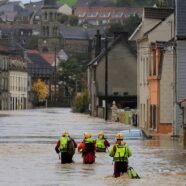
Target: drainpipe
{"x": 174, "y": 76}
{"x": 98, "y": 43}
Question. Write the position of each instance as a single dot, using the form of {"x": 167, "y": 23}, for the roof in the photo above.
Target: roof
{"x": 73, "y": 32}
{"x": 37, "y": 64}
{"x": 110, "y": 46}
{"x": 40, "y": 58}
{"x": 78, "y": 32}
{"x": 157, "y": 13}
{"x": 153, "y": 18}
{"x": 49, "y": 57}
{"x": 50, "y": 4}
{"x": 12, "y": 6}
{"x": 180, "y": 18}
{"x": 106, "y": 12}
{"x": 11, "y": 47}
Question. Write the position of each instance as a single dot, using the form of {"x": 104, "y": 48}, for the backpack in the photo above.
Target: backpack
{"x": 70, "y": 148}
{"x": 89, "y": 147}
{"x": 132, "y": 173}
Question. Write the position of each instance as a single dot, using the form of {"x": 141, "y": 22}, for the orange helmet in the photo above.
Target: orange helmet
{"x": 87, "y": 135}
{"x": 119, "y": 136}
{"x": 100, "y": 134}
{"x": 65, "y": 134}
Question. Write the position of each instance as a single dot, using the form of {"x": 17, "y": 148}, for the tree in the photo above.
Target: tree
{"x": 73, "y": 74}
{"x": 131, "y": 23}
{"x": 32, "y": 42}
{"x": 41, "y": 90}
{"x": 62, "y": 18}
{"x": 73, "y": 20}
{"x": 81, "y": 102}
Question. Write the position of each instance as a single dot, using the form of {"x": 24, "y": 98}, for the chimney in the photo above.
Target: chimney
{"x": 98, "y": 44}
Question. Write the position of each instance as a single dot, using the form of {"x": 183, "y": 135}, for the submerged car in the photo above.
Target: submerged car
{"x": 134, "y": 134}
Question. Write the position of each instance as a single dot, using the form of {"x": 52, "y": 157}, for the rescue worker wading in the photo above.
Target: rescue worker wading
{"x": 120, "y": 153}
{"x": 66, "y": 145}
{"x": 101, "y": 143}
{"x": 87, "y": 148}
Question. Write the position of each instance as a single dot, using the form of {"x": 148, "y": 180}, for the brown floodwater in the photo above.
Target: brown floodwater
{"x": 28, "y": 158}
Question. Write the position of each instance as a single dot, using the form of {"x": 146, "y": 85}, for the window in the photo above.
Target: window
{"x": 82, "y": 14}
{"x": 45, "y": 16}
{"x": 51, "y": 16}
{"x": 154, "y": 62}
{"x": 118, "y": 14}
{"x": 92, "y": 14}
{"x": 105, "y": 14}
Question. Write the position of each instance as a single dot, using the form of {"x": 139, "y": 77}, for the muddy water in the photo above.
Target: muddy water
{"x": 27, "y": 156}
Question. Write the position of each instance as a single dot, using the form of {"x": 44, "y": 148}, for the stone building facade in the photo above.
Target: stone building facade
{"x": 49, "y": 40}
{"x": 13, "y": 83}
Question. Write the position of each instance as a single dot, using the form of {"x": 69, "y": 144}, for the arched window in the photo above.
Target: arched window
{"x": 51, "y": 16}
{"x": 46, "y": 16}
{"x": 44, "y": 31}
{"x": 47, "y": 30}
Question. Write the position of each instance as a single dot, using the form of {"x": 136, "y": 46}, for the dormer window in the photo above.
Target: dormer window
{"x": 82, "y": 14}
{"x": 118, "y": 14}
{"x": 92, "y": 14}
{"x": 105, "y": 14}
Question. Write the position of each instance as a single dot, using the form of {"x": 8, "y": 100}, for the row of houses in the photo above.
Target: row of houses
{"x": 13, "y": 77}
{"x": 104, "y": 15}
{"x": 161, "y": 75}
{"x": 19, "y": 69}
{"x": 153, "y": 78}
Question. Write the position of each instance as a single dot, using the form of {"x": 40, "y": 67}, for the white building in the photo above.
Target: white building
{"x": 13, "y": 83}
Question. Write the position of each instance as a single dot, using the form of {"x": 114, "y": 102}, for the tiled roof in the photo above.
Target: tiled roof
{"x": 73, "y": 32}
{"x": 157, "y": 13}
{"x": 78, "y": 32}
{"x": 50, "y": 4}
{"x": 37, "y": 65}
{"x": 11, "y": 6}
{"x": 106, "y": 12}
{"x": 46, "y": 57}
{"x": 49, "y": 57}
{"x": 181, "y": 18}
{"x": 11, "y": 47}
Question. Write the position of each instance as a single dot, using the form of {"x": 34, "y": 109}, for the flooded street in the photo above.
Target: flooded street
{"x": 28, "y": 158}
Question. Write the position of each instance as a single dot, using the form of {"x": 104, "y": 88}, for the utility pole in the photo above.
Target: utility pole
{"x": 106, "y": 78}
{"x": 55, "y": 75}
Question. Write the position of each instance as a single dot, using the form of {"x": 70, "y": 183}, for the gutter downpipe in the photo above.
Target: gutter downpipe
{"x": 174, "y": 133}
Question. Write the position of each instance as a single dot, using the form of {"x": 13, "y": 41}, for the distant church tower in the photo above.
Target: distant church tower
{"x": 49, "y": 40}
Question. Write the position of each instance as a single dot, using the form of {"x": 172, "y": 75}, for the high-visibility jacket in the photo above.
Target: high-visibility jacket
{"x": 100, "y": 144}
{"x": 121, "y": 154}
{"x": 64, "y": 144}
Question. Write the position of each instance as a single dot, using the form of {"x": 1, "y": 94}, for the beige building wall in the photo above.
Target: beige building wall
{"x": 143, "y": 91}
{"x": 164, "y": 31}
{"x": 166, "y": 84}
{"x": 122, "y": 72}
{"x": 65, "y": 9}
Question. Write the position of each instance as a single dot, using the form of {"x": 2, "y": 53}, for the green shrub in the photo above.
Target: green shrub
{"x": 81, "y": 103}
